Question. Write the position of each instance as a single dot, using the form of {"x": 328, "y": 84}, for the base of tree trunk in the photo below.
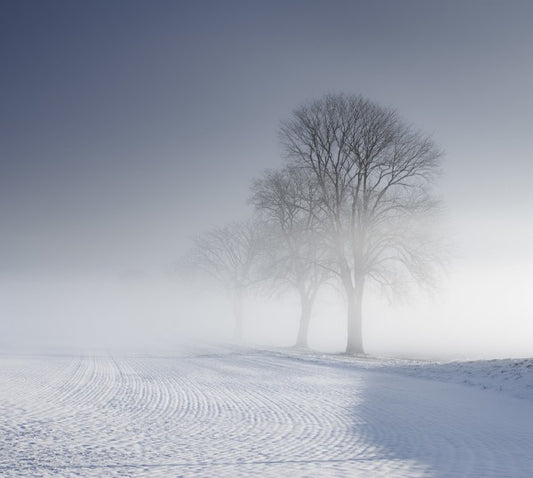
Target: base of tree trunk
{"x": 354, "y": 342}
{"x": 305, "y": 319}
{"x": 301, "y": 344}
{"x": 355, "y": 354}
{"x": 354, "y": 349}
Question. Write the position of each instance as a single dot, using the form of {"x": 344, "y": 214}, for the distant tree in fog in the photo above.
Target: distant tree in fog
{"x": 229, "y": 254}
{"x": 285, "y": 201}
{"x": 374, "y": 174}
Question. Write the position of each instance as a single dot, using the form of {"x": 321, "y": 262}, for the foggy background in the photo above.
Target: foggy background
{"x": 126, "y": 128}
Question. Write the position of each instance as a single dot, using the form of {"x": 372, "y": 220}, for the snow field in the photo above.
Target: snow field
{"x": 238, "y": 412}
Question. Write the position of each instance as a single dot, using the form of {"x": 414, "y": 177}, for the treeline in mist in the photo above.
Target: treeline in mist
{"x": 350, "y": 206}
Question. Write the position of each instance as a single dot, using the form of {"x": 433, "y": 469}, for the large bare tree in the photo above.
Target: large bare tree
{"x": 286, "y": 201}
{"x": 375, "y": 175}
{"x": 229, "y": 254}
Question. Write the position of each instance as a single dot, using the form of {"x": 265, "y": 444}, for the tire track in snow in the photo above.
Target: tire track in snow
{"x": 242, "y": 414}
{"x": 309, "y": 429}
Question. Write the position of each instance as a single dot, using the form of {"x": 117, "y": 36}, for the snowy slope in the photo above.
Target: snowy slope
{"x": 512, "y": 377}
{"x": 240, "y": 412}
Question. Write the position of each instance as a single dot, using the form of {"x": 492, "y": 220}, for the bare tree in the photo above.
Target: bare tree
{"x": 374, "y": 173}
{"x": 286, "y": 202}
{"x": 229, "y": 254}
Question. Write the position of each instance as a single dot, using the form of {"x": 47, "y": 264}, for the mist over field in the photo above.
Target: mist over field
{"x": 277, "y": 238}
{"x": 463, "y": 319}
{"x": 119, "y": 148}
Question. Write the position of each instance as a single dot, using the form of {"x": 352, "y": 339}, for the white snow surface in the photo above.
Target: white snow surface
{"x": 235, "y": 411}
{"x": 512, "y": 377}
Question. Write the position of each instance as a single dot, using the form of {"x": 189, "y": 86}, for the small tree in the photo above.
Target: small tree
{"x": 229, "y": 254}
{"x": 286, "y": 201}
{"x": 374, "y": 173}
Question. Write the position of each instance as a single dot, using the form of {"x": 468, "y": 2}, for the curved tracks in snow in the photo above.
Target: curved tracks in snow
{"x": 245, "y": 413}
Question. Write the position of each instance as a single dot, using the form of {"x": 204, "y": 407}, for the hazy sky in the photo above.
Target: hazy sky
{"x": 128, "y": 126}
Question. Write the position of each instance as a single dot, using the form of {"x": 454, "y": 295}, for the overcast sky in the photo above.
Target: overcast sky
{"x": 126, "y": 127}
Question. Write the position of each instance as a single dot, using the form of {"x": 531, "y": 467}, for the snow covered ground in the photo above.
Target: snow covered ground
{"x": 512, "y": 377}
{"x": 243, "y": 412}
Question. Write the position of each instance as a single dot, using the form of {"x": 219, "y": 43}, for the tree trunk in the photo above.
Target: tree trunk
{"x": 305, "y": 318}
{"x": 354, "y": 343}
{"x": 237, "y": 312}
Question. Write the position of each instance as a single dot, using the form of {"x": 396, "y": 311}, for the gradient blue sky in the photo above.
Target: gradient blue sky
{"x": 126, "y": 127}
